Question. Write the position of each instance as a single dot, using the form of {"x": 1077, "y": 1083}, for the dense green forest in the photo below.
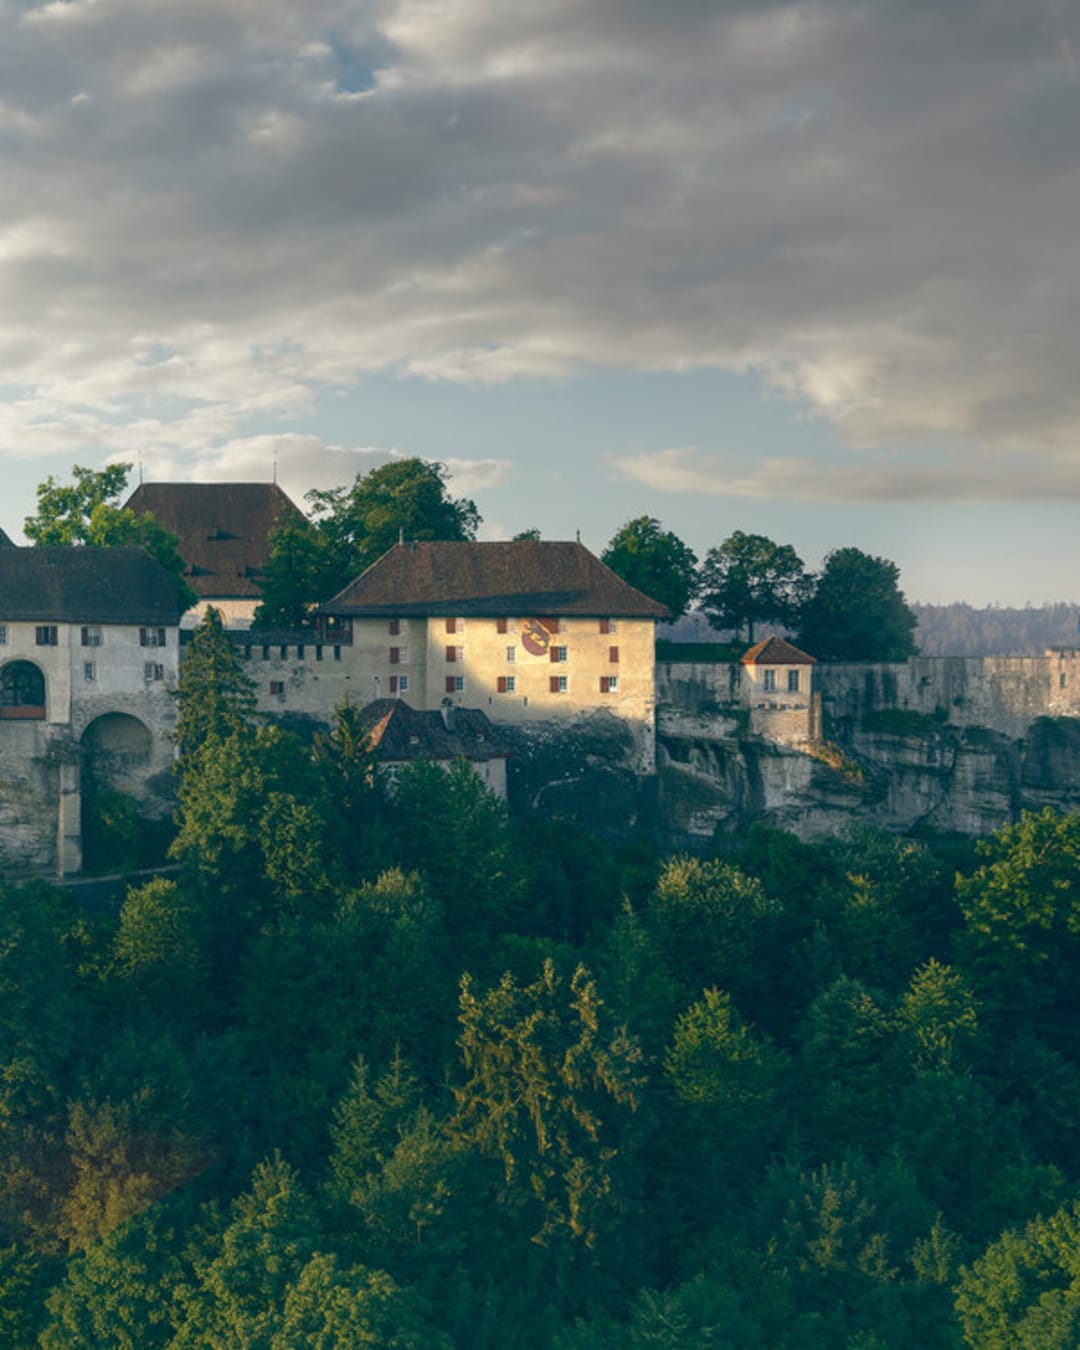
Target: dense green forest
{"x": 377, "y": 1065}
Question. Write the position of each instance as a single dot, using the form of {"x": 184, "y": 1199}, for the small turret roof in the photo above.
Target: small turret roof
{"x": 776, "y": 651}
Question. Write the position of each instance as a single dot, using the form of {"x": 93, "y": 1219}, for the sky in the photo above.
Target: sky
{"x": 805, "y": 268}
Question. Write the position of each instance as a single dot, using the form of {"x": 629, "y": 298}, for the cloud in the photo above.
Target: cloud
{"x": 961, "y": 476}
{"x": 302, "y": 462}
{"x": 214, "y": 213}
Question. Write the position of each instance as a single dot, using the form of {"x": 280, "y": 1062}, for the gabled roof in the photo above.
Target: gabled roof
{"x": 491, "y": 580}
{"x": 223, "y": 528}
{"x": 5, "y": 541}
{"x": 398, "y": 732}
{"x": 86, "y": 585}
{"x": 776, "y": 651}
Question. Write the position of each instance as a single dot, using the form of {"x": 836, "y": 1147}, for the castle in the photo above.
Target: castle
{"x": 528, "y": 633}
{"x": 530, "y": 649}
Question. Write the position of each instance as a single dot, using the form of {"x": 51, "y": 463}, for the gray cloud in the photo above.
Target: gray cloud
{"x": 208, "y": 213}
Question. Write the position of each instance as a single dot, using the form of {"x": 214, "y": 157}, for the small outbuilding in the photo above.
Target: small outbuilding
{"x": 777, "y": 687}
{"x": 399, "y": 734}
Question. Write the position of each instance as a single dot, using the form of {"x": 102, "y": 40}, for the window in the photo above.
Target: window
{"x": 793, "y": 681}
{"x": 277, "y": 689}
{"x": 395, "y": 627}
{"x": 91, "y": 635}
{"x": 153, "y": 670}
{"x": 299, "y": 651}
{"x": 318, "y": 651}
{"x": 559, "y": 684}
{"x": 151, "y": 637}
{"x": 395, "y": 656}
{"x": 284, "y": 651}
{"x": 266, "y": 652}
{"x": 770, "y": 681}
{"x": 511, "y": 655}
{"x": 558, "y": 653}
{"x": 88, "y": 672}
{"x": 1062, "y": 679}
{"x": 613, "y": 655}
{"x": 500, "y": 625}
{"x": 22, "y": 692}
{"x": 451, "y": 625}
{"x": 455, "y": 653}
{"x": 455, "y": 684}
{"x": 507, "y": 684}
{"x": 609, "y": 684}
{"x": 3, "y": 634}
{"x": 403, "y": 684}
{"x": 337, "y": 653}
{"x": 45, "y": 635}
{"x": 608, "y": 626}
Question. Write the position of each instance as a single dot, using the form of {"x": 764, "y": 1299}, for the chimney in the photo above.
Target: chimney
{"x": 448, "y": 711}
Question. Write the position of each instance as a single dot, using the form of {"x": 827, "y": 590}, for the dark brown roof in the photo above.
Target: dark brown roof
{"x": 776, "y": 651}
{"x": 398, "y": 732}
{"x": 86, "y": 585}
{"x": 523, "y": 577}
{"x": 223, "y": 528}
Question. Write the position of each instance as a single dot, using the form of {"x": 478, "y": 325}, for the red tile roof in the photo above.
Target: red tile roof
{"x": 398, "y": 732}
{"x": 776, "y": 651}
{"x": 223, "y": 528}
{"x": 491, "y": 580}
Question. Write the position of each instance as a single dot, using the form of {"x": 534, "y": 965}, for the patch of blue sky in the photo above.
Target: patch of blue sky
{"x": 356, "y": 65}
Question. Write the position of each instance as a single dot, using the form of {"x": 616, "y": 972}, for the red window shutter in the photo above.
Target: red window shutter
{"x": 554, "y": 684}
{"x": 451, "y": 653}
{"x": 605, "y": 625}
{"x": 393, "y": 684}
{"x": 395, "y": 656}
{"x": 449, "y": 684}
{"x": 605, "y": 684}
{"x": 395, "y": 627}
{"x": 500, "y": 625}
{"x": 613, "y": 655}
{"x": 502, "y": 684}
{"x": 554, "y": 653}
{"x": 451, "y": 625}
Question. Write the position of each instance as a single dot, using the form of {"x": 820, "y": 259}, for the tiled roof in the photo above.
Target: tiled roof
{"x": 223, "y": 528}
{"x": 398, "y": 732}
{"x": 86, "y": 585}
{"x": 776, "y": 651}
{"x": 527, "y": 576}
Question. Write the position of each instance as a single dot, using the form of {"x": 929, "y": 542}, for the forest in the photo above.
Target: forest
{"x": 374, "y": 1064}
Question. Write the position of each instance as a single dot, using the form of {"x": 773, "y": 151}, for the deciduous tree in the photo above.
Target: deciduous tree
{"x": 655, "y": 561}
{"x": 857, "y": 612}
{"x": 748, "y": 580}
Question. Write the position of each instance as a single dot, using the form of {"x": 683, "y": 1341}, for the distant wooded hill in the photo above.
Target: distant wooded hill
{"x": 952, "y": 630}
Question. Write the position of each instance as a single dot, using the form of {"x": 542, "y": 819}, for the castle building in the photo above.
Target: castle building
{"x": 527, "y": 631}
{"x": 88, "y": 652}
{"x": 224, "y": 531}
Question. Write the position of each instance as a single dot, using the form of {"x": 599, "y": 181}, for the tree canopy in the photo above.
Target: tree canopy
{"x": 86, "y": 511}
{"x": 857, "y": 612}
{"x": 351, "y": 528}
{"x": 655, "y": 561}
{"x": 749, "y": 579}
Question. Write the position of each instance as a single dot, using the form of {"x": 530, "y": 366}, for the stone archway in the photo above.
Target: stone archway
{"x": 117, "y": 758}
{"x": 22, "y": 692}
{"x": 117, "y": 753}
